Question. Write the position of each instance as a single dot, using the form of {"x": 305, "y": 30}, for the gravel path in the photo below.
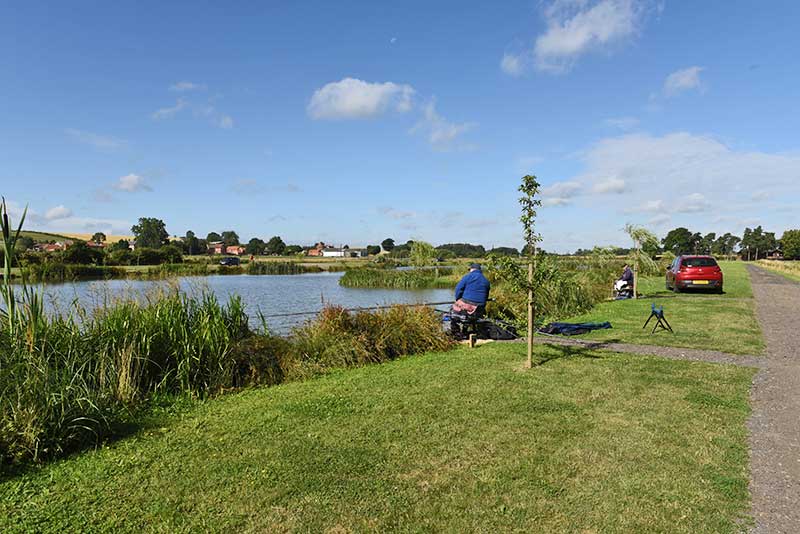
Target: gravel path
{"x": 775, "y": 423}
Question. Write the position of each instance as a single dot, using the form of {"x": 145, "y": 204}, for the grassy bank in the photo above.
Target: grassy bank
{"x": 67, "y": 382}
{"x": 701, "y": 321}
{"x": 462, "y": 441}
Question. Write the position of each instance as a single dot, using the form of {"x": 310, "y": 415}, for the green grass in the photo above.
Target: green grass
{"x": 463, "y": 441}
{"x": 701, "y": 321}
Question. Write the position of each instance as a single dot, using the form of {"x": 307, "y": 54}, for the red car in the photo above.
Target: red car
{"x": 694, "y": 272}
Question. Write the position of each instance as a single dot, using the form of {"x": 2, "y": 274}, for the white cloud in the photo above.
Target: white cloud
{"x": 610, "y": 185}
{"x": 397, "y": 214}
{"x": 249, "y": 187}
{"x": 102, "y": 142}
{"x": 650, "y": 206}
{"x": 693, "y": 203}
{"x": 186, "y": 86}
{"x": 168, "y": 113}
{"x": 683, "y": 80}
{"x": 659, "y": 220}
{"x": 226, "y": 122}
{"x": 692, "y": 174}
{"x": 393, "y": 40}
{"x": 132, "y": 183}
{"x": 351, "y": 98}
{"x": 512, "y": 64}
{"x": 57, "y": 212}
{"x": 442, "y": 134}
{"x": 623, "y": 123}
{"x": 577, "y": 27}
{"x": 560, "y": 193}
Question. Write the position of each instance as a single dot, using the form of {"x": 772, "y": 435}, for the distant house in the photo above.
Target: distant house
{"x": 775, "y": 255}
{"x": 94, "y": 244}
{"x": 218, "y": 247}
{"x": 317, "y": 250}
{"x": 52, "y": 247}
{"x": 344, "y": 253}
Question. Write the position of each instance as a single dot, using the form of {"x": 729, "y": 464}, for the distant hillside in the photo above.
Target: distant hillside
{"x": 43, "y": 237}
{"x": 46, "y": 237}
{"x": 110, "y": 238}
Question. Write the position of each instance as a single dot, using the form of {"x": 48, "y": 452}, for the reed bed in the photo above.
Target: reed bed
{"x": 393, "y": 279}
{"x": 285, "y": 267}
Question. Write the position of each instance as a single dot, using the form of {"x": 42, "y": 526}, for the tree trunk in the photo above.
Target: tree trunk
{"x": 529, "y": 363}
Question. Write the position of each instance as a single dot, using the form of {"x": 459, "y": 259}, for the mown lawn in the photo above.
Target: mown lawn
{"x": 724, "y": 322}
{"x": 460, "y": 441}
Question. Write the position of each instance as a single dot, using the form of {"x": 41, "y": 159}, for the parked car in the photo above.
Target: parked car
{"x": 694, "y": 272}
{"x": 230, "y": 262}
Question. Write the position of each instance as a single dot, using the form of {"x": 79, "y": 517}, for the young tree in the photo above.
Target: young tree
{"x": 642, "y": 238}
{"x": 292, "y": 249}
{"x": 213, "y": 237}
{"x": 373, "y": 249}
{"x": 529, "y": 202}
{"x": 387, "y": 244}
{"x": 275, "y": 246}
{"x": 99, "y": 237}
{"x": 150, "y": 232}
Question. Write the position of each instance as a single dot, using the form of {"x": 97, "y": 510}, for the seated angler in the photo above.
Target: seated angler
{"x": 472, "y": 292}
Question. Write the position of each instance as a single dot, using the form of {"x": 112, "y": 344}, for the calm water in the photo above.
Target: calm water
{"x": 272, "y": 294}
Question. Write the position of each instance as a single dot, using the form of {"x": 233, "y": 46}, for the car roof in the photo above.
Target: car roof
{"x": 697, "y": 256}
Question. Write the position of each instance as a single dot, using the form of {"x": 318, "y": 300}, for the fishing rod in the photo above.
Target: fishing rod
{"x": 295, "y": 314}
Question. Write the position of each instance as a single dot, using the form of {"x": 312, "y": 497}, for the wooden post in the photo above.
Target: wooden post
{"x": 472, "y": 339}
{"x": 529, "y": 363}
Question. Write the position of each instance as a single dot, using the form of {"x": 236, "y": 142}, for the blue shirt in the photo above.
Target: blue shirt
{"x": 473, "y": 287}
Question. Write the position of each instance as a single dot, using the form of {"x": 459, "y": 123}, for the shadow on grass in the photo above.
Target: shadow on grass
{"x": 149, "y": 418}
{"x": 558, "y": 351}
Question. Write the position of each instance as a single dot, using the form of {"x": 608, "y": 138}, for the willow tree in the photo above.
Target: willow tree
{"x": 642, "y": 238}
{"x": 528, "y": 202}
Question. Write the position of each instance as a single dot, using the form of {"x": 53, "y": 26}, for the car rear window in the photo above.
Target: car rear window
{"x": 699, "y": 262}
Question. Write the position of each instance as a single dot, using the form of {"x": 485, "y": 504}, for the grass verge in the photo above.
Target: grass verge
{"x": 788, "y": 269}
{"x": 725, "y": 322}
{"x": 458, "y": 441}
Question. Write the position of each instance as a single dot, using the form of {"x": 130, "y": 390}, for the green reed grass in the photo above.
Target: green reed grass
{"x": 275, "y": 267}
{"x": 392, "y": 279}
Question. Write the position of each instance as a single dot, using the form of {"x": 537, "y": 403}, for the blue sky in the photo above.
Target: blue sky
{"x": 350, "y": 122}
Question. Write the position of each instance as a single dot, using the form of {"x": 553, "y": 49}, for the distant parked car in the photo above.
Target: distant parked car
{"x": 694, "y": 272}
{"x": 230, "y": 262}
